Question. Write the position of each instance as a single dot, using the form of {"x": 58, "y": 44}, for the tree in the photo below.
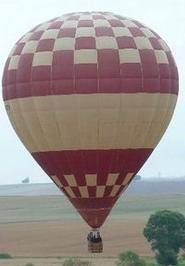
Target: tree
{"x": 130, "y": 258}
{"x": 76, "y": 262}
{"x": 165, "y": 231}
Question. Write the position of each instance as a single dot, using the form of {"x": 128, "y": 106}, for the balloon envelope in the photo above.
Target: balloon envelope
{"x": 90, "y": 95}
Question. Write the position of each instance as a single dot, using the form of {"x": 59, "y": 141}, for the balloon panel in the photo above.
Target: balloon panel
{"x": 90, "y": 95}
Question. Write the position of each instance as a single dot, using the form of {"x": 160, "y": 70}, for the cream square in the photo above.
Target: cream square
{"x": 106, "y": 43}
{"x": 111, "y": 180}
{"x": 14, "y": 61}
{"x": 42, "y": 59}
{"x": 128, "y": 23}
{"x": 30, "y": 47}
{"x": 114, "y": 191}
{"x": 50, "y": 34}
{"x": 161, "y": 57}
{"x": 147, "y": 32}
{"x": 83, "y": 191}
{"x": 85, "y": 32}
{"x": 69, "y": 192}
{"x": 101, "y": 23}
{"x": 142, "y": 43}
{"x": 44, "y": 26}
{"x": 100, "y": 190}
{"x": 70, "y": 24}
{"x": 56, "y": 180}
{"x": 71, "y": 180}
{"x": 26, "y": 37}
{"x": 86, "y": 17}
{"x": 127, "y": 178}
{"x": 91, "y": 180}
{"x": 85, "y": 56}
{"x": 121, "y": 31}
{"x": 64, "y": 44}
{"x": 129, "y": 56}
{"x": 164, "y": 45}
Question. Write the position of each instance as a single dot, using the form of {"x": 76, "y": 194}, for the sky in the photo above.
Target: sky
{"x": 166, "y": 17}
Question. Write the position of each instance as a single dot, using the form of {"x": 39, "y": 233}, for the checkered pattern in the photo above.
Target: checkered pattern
{"x": 85, "y": 35}
{"x": 91, "y": 46}
{"x": 114, "y": 186}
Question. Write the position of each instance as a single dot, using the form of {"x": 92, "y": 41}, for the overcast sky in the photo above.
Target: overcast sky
{"x": 166, "y": 17}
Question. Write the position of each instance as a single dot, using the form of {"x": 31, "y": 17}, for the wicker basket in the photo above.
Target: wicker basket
{"x": 95, "y": 247}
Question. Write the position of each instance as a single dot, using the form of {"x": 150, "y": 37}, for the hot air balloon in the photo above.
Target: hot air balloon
{"x": 90, "y": 95}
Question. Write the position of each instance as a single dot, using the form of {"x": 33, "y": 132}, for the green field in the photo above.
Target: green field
{"x": 46, "y": 208}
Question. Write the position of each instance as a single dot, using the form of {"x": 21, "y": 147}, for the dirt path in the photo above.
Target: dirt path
{"x": 68, "y": 238}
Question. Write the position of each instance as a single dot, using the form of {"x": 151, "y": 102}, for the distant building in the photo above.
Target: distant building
{"x": 26, "y": 180}
{"x": 137, "y": 178}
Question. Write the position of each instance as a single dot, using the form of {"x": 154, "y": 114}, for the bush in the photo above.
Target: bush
{"x": 76, "y": 262}
{"x": 5, "y": 256}
{"x": 29, "y": 264}
{"x": 165, "y": 230}
{"x": 130, "y": 258}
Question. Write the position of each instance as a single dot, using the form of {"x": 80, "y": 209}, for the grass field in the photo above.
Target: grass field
{"x": 42, "y": 229}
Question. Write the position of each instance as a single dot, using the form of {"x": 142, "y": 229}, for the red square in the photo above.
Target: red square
{"x": 67, "y": 32}
{"x": 24, "y": 89}
{"x": 92, "y": 191}
{"x": 9, "y": 92}
{"x": 174, "y": 72}
{"x": 74, "y": 17}
{"x": 85, "y": 23}
{"x": 108, "y": 190}
{"x": 80, "y": 179}
{"x": 41, "y": 88}
{"x": 90, "y": 158}
{"x": 86, "y": 71}
{"x": 41, "y": 73}
{"x": 11, "y": 76}
{"x": 175, "y": 86}
{"x": 119, "y": 17}
{"x": 64, "y": 86}
{"x": 131, "y": 70}
{"x": 151, "y": 85}
{"x": 131, "y": 85}
{"x": 98, "y": 17}
{"x": 109, "y": 71}
{"x": 36, "y": 35}
{"x": 149, "y": 64}
{"x": 104, "y": 31}
{"x": 136, "y": 31}
{"x": 125, "y": 42}
{"x": 45, "y": 45}
{"x": 165, "y": 85}
{"x": 76, "y": 192}
{"x": 108, "y": 56}
{"x": 120, "y": 191}
{"x": 109, "y": 85}
{"x": 115, "y": 23}
{"x": 171, "y": 59}
{"x": 56, "y": 25}
{"x": 108, "y": 63}
{"x": 18, "y": 49}
{"x": 86, "y": 85}
{"x": 62, "y": 72}
{"x": 63, "y": 57}
{"x": 25, "y": 68}
{"x": 155, "y": 43}
{"x": 85, "y": 43}
{"x": 164, "y": 71}
{"x": 138, "y": 23}
{"x": 101, "y": 177}
{"x": 120, "y": 179}
{"x": 7, "y": 63}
